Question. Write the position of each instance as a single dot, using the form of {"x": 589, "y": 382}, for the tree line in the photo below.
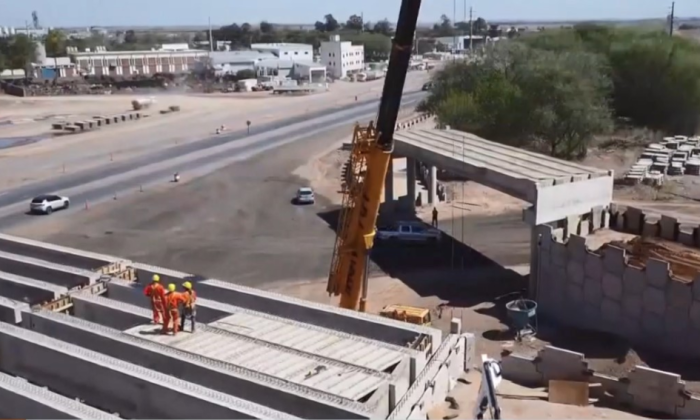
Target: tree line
{"x": 556, "y": 91}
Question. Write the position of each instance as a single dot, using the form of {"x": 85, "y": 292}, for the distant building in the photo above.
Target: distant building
{"x": 7, "y": 31}
{"x": 286, "y": 51}
{"x": 130, "y": 63}
{"x": 461, "y": 42}
{"x": 341, "y": 57}
{"x": 175, "y": 47}
{"x": 231, "y": 62}
{"x": 299, "y": 70}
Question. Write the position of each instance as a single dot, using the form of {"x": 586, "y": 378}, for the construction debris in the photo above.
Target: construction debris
{"x": 684, "y": 262}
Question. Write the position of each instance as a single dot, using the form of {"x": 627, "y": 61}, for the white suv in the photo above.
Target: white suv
{"x": 46, "y": 204}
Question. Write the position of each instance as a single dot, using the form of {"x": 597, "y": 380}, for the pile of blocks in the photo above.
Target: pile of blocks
{"x": 673, "y": 156}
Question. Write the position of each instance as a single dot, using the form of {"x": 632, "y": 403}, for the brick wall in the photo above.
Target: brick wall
{"x": 644, "y": 389}
{"x": 599, "y": 290}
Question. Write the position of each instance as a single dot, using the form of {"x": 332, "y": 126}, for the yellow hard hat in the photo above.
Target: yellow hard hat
{"x": 171, "y": 287}
{"x": 187, "y": 285}
{"x": 156, "y": 277}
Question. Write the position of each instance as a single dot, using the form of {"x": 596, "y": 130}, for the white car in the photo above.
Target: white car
{"x": 305, "y": 195}
{"x": 46, "y": 204}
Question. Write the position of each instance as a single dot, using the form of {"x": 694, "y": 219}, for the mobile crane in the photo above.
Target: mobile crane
{"x": 369, "y": 162}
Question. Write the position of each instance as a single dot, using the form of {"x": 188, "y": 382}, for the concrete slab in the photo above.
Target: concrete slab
{"x": 28, "y": 290}
{"x": 337, "y": 378}
{"x": 351, "y": 322}
{"x": 60, "y": 275}
{"x": 357, "y": 352}
{"x": 54, "y": 253}
{"x": 529, "y": 176}
{"x": 11, "y": 310}
{"x": 20, "y": 399}
{"x": 224, "y": 377}
{"x": 380, "y": 355}
{"x": 278, "y": 361}
{"x": 131, "y": 390}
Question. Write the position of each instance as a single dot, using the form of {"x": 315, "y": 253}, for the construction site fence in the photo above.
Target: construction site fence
{"x": 644, "y": 390}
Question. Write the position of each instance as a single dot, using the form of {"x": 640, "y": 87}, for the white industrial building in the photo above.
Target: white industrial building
{"x": 231, "y": 62}
{"x": 341, "y": 57}
{"x": 286, "y": 51}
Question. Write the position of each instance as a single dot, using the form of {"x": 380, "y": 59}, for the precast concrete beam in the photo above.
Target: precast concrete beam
{"x": 60, "y": 275}
{"x": 11, "y": 310}
{"x": 113, "y": 384}
{"x": 54, "y": 253}
{"x": 28, "y": 290}
{"x": 252, "y": 386}
{"x": 107, "y": 312}
{"x": 273, "y": 359}
{"x": 210, "y": 311}
{"x": 352, "y": 322}
{"x": 20, "y": 399}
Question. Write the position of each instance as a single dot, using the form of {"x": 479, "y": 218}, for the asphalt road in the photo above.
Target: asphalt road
{"x": 270, "y": 136}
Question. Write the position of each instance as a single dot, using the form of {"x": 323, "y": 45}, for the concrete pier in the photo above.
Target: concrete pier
{"x": 252, "y": 386}
{"x": 20, "y": 399}
{"x": 54, "y": 253}
{"x": 28, "y": 290}
{"x": 60, "y": 275}
{"x": 11, "y": 310}
{"x": 113, "y": 384}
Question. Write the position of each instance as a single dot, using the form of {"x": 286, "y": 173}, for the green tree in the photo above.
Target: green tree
{"x": 377, "y": 46}
{"x": 383, "y": 27}
{"x": 55, "y": 43}
{"x": 354, "y": 23}
{"x": 130, "y": 37}
{"x": 481, "y": 27}
{"x": 266, "y": 27}
{"x": 525, "y": 97}
{"x": 21, "y": 52}
{"x": 444, "y": 28}
{"x": 331, "y": 24}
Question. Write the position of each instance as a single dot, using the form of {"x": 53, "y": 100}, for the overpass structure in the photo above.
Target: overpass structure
{"x": 562, "y": 193}
{"x": 69, "y": 316}
{"x": 556, "y": 188}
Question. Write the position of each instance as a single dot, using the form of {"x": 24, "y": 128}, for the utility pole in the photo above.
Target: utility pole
{"x": 454, "y": 21}
{"x": 471, "y": 29}
{"x": 671, "y": 18}
{"x": 211, "y": 38}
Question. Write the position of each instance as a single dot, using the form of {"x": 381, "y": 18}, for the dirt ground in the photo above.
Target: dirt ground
{"x": 28, "y": 120}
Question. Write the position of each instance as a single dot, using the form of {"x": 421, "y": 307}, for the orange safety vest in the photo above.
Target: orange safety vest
{"x": 190, "y": 299}
{"x": 173, "y": 300}
{"x": 156, "y": 292}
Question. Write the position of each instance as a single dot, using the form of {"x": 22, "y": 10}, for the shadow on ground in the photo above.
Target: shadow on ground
{"x": 449, "y": 270}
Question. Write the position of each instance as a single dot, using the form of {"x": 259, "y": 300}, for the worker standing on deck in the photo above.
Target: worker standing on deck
{"x": 173, "y": 299}
{"x": 156, "y": 293}
{"x": 189, "y": 308}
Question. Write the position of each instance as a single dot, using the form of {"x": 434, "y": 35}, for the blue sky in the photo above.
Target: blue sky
{"x": 189, "y": 12}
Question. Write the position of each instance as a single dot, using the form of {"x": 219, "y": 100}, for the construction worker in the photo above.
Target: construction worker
{"x": 156, "y": 293}
{"x": 189, "y": 308}
{"x": 434, "y": 221}
{"x": 173, "y": 300}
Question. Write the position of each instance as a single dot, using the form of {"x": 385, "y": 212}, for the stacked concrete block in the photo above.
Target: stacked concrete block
{"x": 601, "y": 291}
{"x": 644, "y": 389}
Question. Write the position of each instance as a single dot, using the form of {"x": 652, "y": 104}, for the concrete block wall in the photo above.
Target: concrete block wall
{"x": 643, "y": 390}
{"x": 600, "y": 290}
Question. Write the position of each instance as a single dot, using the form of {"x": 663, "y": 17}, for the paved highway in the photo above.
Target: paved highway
{"x": 191, "y": 159}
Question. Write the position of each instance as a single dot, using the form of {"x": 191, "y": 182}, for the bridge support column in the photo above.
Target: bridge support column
{"x": 432, "y": 185}
{"x": 411, "y": 181}
{"x": 389, "y": 183}
{"x": 534, "y": 262}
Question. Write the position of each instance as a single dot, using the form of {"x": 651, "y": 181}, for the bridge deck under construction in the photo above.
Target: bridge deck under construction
{"x": 68, "y": 316}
